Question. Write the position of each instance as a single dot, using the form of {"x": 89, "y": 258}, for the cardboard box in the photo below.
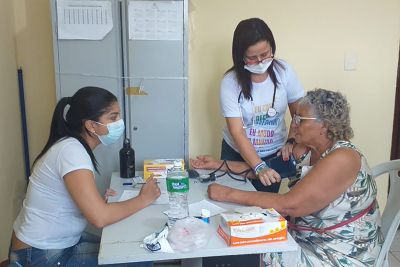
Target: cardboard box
{"x": 238, "y": 229}
{"x": 159, "y": 167}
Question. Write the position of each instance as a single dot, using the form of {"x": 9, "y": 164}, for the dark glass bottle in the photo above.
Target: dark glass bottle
{"x": 127, "y": 160}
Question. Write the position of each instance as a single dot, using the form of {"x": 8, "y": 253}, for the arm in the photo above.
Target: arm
{"x": 81, "y": 185}
{"x": 246, "y": 149}
{"x": 209, "y": 163}
{"x": 292, "y": 108}
{"x": 324, "y": 183}
{"x": 229, "y": 93}
{"x": 287, "y": 149}
{"x": 295, "y": 92}
{"x": 267, "y": 176}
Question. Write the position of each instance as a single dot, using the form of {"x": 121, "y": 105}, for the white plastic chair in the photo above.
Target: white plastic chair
{"x": 391, "y": 213}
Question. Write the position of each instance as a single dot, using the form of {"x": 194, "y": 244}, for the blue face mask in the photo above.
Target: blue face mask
{"x": 115, "y": 131}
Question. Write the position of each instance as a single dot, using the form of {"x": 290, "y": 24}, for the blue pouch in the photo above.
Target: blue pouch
{"x": 286, "y": 169}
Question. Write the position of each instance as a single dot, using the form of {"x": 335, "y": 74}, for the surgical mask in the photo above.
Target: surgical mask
{"x": 259, "y": 68}
{"x": 115, "y": 131}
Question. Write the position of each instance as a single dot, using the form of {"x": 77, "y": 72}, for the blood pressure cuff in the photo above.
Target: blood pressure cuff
{"x": 286, "y": 169}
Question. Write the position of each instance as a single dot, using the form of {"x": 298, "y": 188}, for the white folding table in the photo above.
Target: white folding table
{"x": 120, "y": 242}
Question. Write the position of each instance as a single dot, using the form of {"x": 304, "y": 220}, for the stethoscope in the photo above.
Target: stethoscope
{"x": 271, "y": 111}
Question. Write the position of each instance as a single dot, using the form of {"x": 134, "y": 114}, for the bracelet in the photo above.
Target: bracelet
{"x": 260, "y": 166}
{"x": 291, "y": 140}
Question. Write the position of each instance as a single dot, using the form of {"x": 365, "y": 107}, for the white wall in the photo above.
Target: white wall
{"x": 34, "y": 48}
{"x": 313, "y": 36}
{"x": 26, "y": 42}
{"x": 12, "y": 183}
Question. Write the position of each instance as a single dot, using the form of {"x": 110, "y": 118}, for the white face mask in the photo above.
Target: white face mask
{"x": 259, "y": 68}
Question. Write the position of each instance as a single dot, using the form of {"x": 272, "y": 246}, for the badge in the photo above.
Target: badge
{"x": 271, "y": 112}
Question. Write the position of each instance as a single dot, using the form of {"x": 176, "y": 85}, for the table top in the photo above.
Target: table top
{"x": 120, "y": 242}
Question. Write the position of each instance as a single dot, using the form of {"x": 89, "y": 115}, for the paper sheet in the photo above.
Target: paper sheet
{"x": 155, "y": 20}
{"x": 128, "y": 194}
{"x": 249, "y": 209}
{"x": 195, "y": 208}
{"x": 87, "y": 20}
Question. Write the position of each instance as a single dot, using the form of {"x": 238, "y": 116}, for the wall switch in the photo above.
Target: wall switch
{"x": 350, "y": 61}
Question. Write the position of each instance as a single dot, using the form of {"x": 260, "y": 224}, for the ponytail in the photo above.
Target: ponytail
{"x": 59, "y": 128}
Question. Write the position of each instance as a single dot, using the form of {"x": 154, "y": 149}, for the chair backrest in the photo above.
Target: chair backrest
{"x": 391, "y": 213}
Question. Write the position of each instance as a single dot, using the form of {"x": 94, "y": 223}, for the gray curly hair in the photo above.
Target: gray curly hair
{"x": 332, "y": 109}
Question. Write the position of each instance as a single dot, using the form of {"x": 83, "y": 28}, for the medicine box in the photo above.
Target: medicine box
{"x": 238, "y": 229}
{"x": 160, "y": 167}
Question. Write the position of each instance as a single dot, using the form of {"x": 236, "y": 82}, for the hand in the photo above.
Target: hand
{"x": 268, "y": 176}
{"x": 205, "y": 162}
{"x": 218, "y": 192}
{"x": 109, "y": 193}
{"x": 150, "y": 191}
{"x": 286, "y": 151}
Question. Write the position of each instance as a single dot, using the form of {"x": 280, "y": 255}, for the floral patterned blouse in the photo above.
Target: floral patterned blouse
{"x": 355, "y": 244}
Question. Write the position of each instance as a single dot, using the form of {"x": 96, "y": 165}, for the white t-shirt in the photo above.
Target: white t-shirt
{"x": 267, "y": 134}
{"x": 49, "y": 218}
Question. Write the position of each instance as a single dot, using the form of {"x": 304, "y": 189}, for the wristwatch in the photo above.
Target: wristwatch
{"x": 291, "y": 141}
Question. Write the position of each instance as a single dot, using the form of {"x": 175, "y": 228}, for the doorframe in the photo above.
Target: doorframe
{"x": 395, "y": 151}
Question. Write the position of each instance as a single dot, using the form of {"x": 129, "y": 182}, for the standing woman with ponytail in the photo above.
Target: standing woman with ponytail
{"x": 255, "y": 94}
{"x": 62, "y": 194}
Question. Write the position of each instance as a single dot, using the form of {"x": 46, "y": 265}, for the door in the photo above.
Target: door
{"x": 157, "y": 65}
{"x": 395, "y": 154}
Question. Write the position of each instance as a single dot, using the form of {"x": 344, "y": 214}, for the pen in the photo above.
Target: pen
{"x": 130, "y": 183}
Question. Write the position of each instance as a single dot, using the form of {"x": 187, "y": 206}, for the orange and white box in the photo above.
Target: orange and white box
{"x": 159, "y": 167}
{"x": 238, "y": 229}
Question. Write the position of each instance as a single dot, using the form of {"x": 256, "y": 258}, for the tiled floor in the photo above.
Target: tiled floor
{"x": 394, "y": 258}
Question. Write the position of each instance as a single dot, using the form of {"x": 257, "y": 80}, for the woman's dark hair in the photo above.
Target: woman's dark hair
{"x": 88, "y": 103}
{"x": 247, "y": 33}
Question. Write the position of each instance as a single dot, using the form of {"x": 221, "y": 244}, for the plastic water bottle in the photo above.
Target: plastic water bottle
{"x": 178, "y": 189}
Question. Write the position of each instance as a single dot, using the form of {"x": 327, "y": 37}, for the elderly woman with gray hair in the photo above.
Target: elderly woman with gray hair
{"x": 334, "y": 215}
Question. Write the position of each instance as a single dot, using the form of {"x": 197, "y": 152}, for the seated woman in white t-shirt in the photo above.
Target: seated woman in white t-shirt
{"x": 62, "y": 194}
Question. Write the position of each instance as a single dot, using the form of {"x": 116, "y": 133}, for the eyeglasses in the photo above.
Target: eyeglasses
{"x": 258, "y": 58}
{"x": 297, "y": 119}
